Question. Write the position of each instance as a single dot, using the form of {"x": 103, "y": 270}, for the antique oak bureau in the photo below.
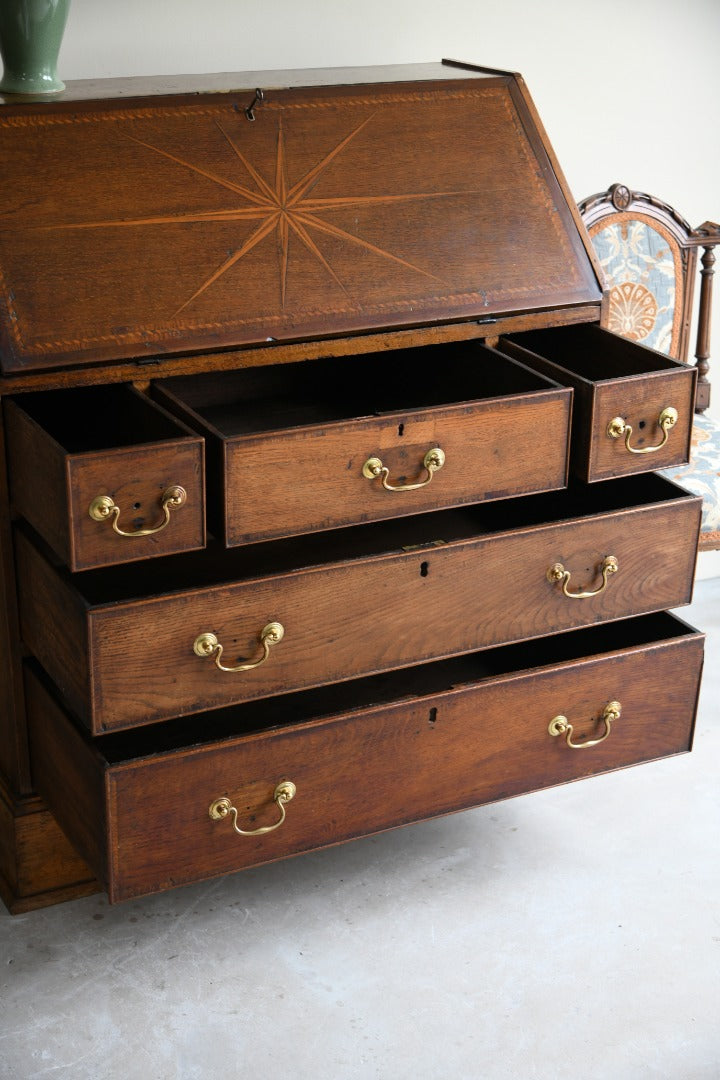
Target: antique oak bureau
{"x": 327, "y": 506}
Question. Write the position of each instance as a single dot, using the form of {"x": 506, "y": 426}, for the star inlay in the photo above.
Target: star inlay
{"x": 278, "y": 208}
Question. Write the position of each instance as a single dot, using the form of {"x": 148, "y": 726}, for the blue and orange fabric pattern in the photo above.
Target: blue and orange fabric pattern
{"x": 702, "y": 475}
{"x": 642, "y": 265}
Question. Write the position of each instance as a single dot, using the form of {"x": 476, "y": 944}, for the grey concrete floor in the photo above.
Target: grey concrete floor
{"x": 572, "y": 933}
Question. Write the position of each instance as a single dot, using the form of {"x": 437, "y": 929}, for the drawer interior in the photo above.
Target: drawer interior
{"x": 97, "y": 418}
{"x": 330, "y": 390}
{"x": 592, "y": 353}
{"x": 427, "y": 680}
{"x": 218, "y": 565}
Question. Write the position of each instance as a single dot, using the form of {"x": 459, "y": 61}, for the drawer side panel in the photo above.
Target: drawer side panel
{"x": 53, "y": 623}
{"x": 38, "y": 478}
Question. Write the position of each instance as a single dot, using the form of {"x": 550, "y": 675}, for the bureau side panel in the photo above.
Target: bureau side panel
{"x": 38, "y": 865}
{"x": 68, "y": 774}
{"x": 14, "y": 764}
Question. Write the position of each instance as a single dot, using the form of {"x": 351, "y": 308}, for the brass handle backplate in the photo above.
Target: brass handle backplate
{"x": 103, "y": 507}
{"x": 558, "y": 573}
{"x": 284, "y": 792}
{"x": 618, "y": 428}
{"x": 432, "y": 463}
{"x": 207, "y": 644}
{"x": 560, "y": 725}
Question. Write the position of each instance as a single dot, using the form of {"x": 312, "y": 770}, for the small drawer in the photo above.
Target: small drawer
{"x": 129, "y": 646}
{"x": 299, "y": 448}
{"x": 633, "y": 407}
{"x": 363, "y": 756}
{"x": 105, "y": 475}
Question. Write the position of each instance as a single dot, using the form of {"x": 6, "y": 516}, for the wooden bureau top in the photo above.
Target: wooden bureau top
{"x": 139, "y": 219}
{"x": 234, "y": 82}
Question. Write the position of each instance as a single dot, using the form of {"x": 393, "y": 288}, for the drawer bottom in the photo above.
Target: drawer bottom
{"x": 362, "y": 757}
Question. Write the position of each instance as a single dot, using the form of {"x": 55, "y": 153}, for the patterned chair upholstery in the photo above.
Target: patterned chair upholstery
{"x": 648, "y": 254}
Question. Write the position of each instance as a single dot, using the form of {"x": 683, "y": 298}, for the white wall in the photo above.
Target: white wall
{"x": 629, "y": 90}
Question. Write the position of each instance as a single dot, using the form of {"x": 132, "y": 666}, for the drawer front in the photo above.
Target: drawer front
{"x": 294, "y": 451}
{"x": 145, "y": 825}
{"x": 99, "y": 508}
{"x": 633, "y": 408}
{"x": 294, "y": 482}
{"x": 353, "y": 618}
{"x": 159, "y": 496}
{"x": 630, "y": 429}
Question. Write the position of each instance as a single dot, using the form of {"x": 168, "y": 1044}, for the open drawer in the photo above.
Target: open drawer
{"x": 153, "y": 809}
{"x": 205, "y": 630}
{"x": 105, "y": 475}
{"x": 298, "y": 448}
{"x": 633, "y": 407}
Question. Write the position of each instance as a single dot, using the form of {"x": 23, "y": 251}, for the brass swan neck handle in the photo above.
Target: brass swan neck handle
{"x": 618, "y": 428}
{"x": 432, "y": 463}
{"x": 558, "y": 574}
{"x": 103, "y": 508}
{"x": 207, "y": 645}
{"x": 560, "y": 725}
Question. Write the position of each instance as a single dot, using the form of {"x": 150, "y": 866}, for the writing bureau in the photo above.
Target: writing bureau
{"x": 327, "y": 505}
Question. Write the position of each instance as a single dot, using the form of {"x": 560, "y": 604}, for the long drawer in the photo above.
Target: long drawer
{"x": 154, "y": 808}
{"x": 127, "y": 646}
{"x": 297, "y": 448}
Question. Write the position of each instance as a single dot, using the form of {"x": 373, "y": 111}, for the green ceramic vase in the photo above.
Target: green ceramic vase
{"x": 30, "y": 35}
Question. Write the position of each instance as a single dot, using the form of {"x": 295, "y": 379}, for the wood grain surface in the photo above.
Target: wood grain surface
{"x": 286, "y": 456}
{"x": 351, "y": 617}
{"x": 184, "y": 226}
{"x": 38, "y": 864}
{"x": 53, "y": 486}
{"x": 610, "y": 377}
{"x": 149, "y": 231}
{"x": 144, "y": 825}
